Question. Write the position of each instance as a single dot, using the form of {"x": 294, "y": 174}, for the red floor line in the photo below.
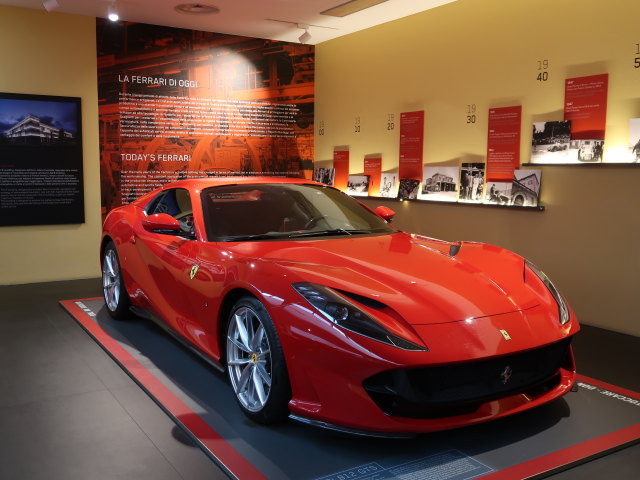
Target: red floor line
{"x": 210, "y": 439}
{"x": 242, "y": 469}
{"x": 567, "y": 455}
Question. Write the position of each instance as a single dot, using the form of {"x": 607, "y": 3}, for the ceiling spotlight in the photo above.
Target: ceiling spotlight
{"x": 112, "y": 13}
{"x": 196, "y": 9}
{"x": 50, "y": 5}
{"x": 306, "y": 36}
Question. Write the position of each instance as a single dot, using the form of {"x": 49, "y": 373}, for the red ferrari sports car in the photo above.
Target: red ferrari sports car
{"x": 321, "y": 311}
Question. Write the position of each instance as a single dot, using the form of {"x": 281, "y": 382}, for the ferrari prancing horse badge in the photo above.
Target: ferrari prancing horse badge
{"x": 505, "y": 334}
{"x": 194, "y": 270}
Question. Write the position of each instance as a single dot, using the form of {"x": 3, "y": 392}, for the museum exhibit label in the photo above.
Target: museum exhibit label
{"x": 41, "y": 173}
{"x": 503, "y": 142}
{"x": 411, "y": 145}
{"x": 373, "y": 169}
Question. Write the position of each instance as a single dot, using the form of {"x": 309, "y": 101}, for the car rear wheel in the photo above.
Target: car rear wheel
{"x": 255, "y": 363}
{"x": 115, "y": 295}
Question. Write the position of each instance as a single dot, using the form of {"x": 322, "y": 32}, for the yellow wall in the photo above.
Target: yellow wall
{"x": 472, "y": 51}
{"x": 486, "y": 52}
{"x": 53, "y": 54}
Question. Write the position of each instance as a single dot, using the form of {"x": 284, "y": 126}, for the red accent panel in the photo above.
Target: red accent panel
{"x": 567, "y": 455}
{"x": 608, "y": 386}
{"x": 208, "y": 437}
{"x": 579, "y": 451}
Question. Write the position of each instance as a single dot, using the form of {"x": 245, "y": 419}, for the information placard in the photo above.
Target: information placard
{"x": 585, "y": 105}
{"x": 411, "y": 144}
{"x": 41, "y": 180}
{"x": 341, "y": 167}
{"x": 373, "y": 169}
{"x": 503, "y": 142}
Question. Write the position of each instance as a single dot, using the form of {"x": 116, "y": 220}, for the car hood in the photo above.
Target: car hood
{"x": 414, "y": 275}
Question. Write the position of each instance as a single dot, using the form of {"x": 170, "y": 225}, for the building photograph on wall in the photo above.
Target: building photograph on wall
{"x": 41, "y": 171}
{"x": 440, "y": 184}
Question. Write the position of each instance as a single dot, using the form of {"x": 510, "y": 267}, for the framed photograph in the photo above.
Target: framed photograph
{"x": 525, "y": 189}
{"x": 408, "y": 189}
{"x": 324, "y": 175}
{"x": 41, "y": 151}
{"x": 498, "y": 193}
{"x": 551, "y": 143}
{"x": 389, "y": 185}
{"x": 471, "y": 182}
{"x": 440, "y": 184}
{"x": 634, "y": 140}
{"x": 358, "y": 185}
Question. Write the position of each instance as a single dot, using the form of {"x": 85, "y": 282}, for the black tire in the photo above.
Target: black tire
{"x": 115, "y": 295}
{"x": 253, "y": 358}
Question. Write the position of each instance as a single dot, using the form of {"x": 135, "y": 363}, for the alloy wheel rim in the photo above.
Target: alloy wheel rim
{"x": 249, "y": 359}
{"x": 111, "y": 280}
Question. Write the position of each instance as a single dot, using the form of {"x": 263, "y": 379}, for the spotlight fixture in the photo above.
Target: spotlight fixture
{"x": 196, "y": 9}
{"x": 50, "y": 5}
{"x": 306, "y": 36}
{"x": 112, "y": 13}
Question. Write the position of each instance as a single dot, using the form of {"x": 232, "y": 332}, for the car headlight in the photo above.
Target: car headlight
{"x": 345, "y": 314}
{"x": 563, "y": 309}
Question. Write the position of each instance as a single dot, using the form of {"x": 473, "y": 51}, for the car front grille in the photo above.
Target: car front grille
{"x": 456, "y": 389}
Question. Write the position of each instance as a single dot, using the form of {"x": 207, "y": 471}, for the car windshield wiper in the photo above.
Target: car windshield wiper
{"x": 324, "y": 233}
{"x": 257, "y": 236}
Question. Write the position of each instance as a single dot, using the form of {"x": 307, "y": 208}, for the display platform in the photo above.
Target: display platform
{"x": 586, "y": 424}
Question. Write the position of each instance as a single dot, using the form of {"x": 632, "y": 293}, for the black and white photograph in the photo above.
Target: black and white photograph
{"x": 498, "y": 193}
{"x": 358, "y": 185}
{"x": 408, "y": 189}
{"x": 471, "y": 182}
{"x": 324, "y": 175}
{"x": 388, "y": 185}
{"x": 525, "y": 189}
{"x": 634, "y": 140}
{"x": 551, "y": 143}
{"x": 587, "y": 151}
{"x": 440, "y": 184}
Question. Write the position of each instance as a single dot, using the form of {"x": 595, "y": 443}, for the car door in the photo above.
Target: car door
{"x": 167, "y": 257}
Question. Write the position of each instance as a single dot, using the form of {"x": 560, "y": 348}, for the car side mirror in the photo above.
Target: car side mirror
{"x": 385, "y": 213}
{"x": 161, "y": 223}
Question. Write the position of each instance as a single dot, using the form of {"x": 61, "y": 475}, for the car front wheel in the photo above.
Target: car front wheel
{"x": 255, "y": 363}
{"x": 115, "y": 295}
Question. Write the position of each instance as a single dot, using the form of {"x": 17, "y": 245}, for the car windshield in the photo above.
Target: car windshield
{"x": 284, "y": 211}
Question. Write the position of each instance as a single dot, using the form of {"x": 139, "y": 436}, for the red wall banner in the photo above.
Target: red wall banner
{"x": 585, "y": 104}
{"x": 177, "y": 103}
{"x": 341, "y": 165}
{"x": 373, "y": 168}
{"x": 411, "y": 144}
{"x": 503, "y": 143}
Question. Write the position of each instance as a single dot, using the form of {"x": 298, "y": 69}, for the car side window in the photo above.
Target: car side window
{"x": 177, "y": 203}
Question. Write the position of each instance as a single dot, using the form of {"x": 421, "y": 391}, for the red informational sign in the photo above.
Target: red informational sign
{"x": 373, "y": 168}
{"x": 411, "y": 144}
{"x": 341, "y": 165}
{"x": 503, "y": 143}
{"x": 585, "y": 104}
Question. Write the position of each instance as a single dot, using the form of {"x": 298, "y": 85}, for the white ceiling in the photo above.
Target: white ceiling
{"x": 252, "y": 18}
